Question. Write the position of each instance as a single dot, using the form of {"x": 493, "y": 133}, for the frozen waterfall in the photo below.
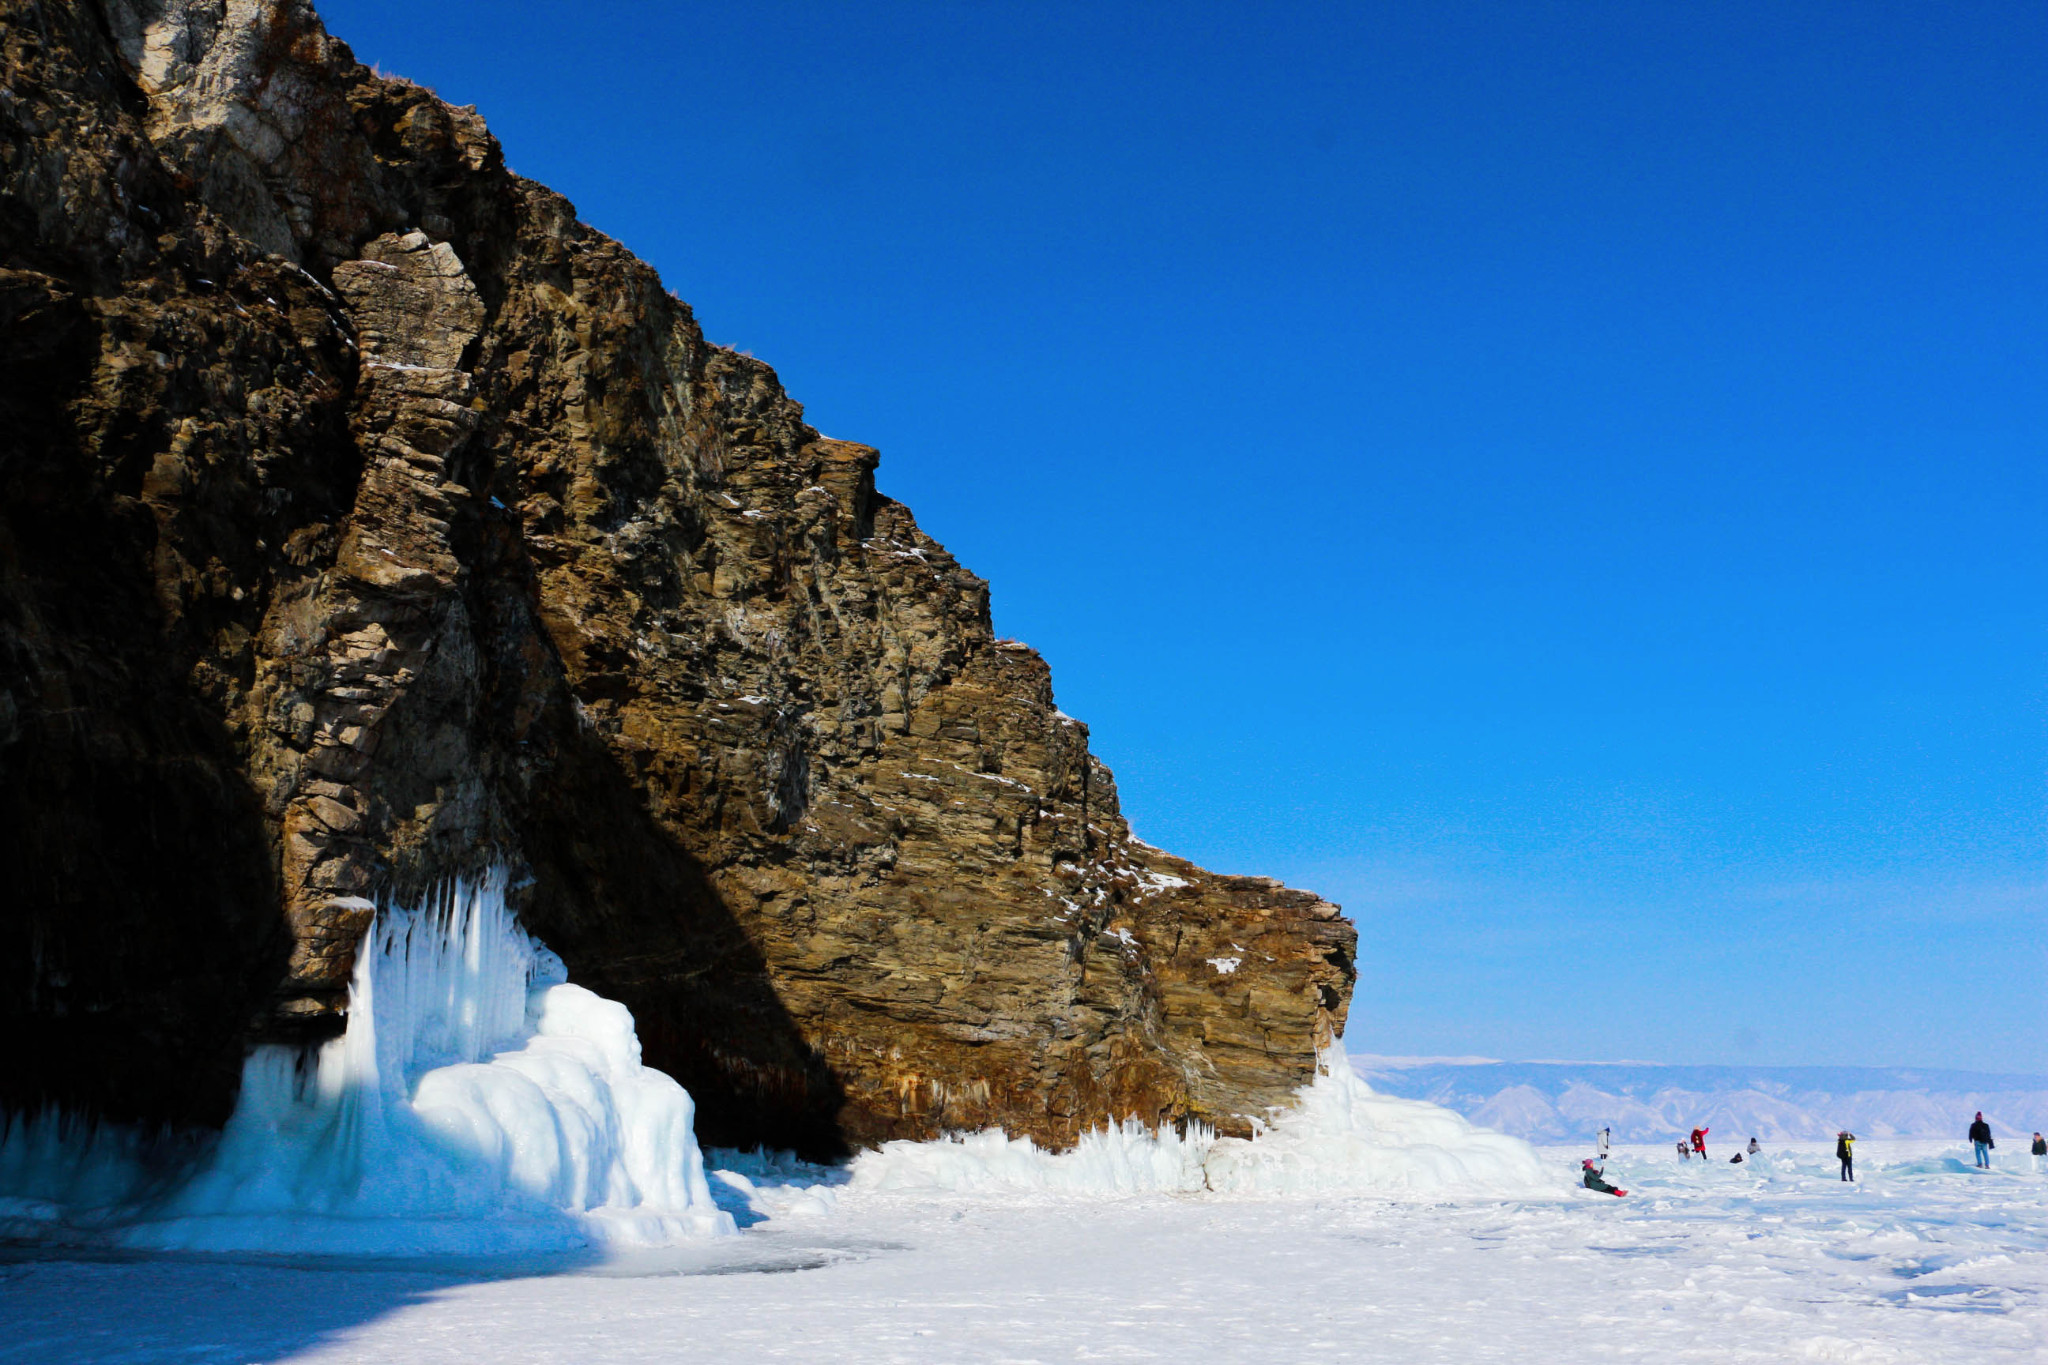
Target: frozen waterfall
{"x": 476, "y": 1103}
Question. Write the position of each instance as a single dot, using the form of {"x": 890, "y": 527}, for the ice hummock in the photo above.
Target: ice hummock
{"x": 477, "y": 1103}
{"x": 1340, "y": 1136}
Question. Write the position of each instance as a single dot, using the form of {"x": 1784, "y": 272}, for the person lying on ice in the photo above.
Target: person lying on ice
{"x": 1593, "y": 1178}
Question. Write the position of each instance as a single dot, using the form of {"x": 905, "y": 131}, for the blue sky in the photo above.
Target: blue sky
{"x": 1566, "y": 481}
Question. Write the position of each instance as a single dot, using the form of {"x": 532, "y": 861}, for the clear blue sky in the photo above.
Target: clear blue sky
{"x": 1565, "y": 480}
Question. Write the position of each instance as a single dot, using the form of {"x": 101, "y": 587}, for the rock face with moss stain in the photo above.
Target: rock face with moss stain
{"x": 369, "y": 521}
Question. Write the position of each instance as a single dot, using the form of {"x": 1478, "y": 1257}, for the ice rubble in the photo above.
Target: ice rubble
{"x": 1340, "y": 1137}
{"x": 476, "y": 1103}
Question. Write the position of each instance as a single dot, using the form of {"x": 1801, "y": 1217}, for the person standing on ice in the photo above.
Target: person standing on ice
{"x": 2039, "y": 1150}
{"x": 1603, "y": 1143}
{"x": 1699, "y": 1142}
{"x": 1980, "y": 1137}
{"x": 1753, "y": 1147}
{"x": 1595, "y": 1178}
{"x": 1845, "y": 1152}
{"x": 1684, "y": 1152}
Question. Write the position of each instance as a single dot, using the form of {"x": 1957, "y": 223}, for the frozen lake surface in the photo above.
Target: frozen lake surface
{"x": 1926, "y": 1261}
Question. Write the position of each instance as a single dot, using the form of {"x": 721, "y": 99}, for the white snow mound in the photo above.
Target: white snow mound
{"x": 1338, "y": 1137}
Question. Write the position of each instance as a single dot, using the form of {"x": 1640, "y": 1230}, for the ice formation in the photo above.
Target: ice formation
{"x": 476, "y": 1103}
{"x": 1339, "y": 1137}
{"x": 479, "y": 1103}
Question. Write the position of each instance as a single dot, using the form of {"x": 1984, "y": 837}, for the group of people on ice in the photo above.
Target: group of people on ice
{"x": 1594, "y": 1174}
{"x": 1982, "y": 1142}
{"x": 1696, "y": 1145}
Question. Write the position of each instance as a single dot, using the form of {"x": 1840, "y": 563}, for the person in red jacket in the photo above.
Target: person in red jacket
{"x": 1699, "y": 1141}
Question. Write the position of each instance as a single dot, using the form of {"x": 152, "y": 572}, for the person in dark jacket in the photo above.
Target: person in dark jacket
{"x": 1980, "y": 1138}
{"x": 2039, "y": 1150}
{"x": 1845, "y": 1152}
{"x": 1594, "y": 1178}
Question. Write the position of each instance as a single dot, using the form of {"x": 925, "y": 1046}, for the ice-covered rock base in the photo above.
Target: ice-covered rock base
{"x": 1340, "y": 1136}
{"x": 478, "y": 1103}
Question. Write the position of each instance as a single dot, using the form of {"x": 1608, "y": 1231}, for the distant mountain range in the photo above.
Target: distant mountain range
{"x": 1647, "y": 1102}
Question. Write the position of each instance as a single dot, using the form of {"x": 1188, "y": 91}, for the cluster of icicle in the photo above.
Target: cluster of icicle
{"x": 476, "y": 1103}
{"x": 1339, "y": 1137}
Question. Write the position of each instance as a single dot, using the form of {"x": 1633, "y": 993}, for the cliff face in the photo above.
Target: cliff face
{"x": 367, "y": 520}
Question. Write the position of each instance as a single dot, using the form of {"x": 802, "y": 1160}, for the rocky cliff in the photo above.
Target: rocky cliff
{"x": 366, "y": 520}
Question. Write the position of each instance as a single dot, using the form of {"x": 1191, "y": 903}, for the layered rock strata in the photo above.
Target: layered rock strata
{"x": 368, "y": 520}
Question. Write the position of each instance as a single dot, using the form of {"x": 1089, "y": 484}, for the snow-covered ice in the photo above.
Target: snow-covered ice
{"x": 1923, "y": 1263}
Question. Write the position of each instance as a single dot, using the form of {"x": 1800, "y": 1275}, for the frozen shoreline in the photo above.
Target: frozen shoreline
{"x": 479, "y": 1104}
{"x": 493, "y": 1124}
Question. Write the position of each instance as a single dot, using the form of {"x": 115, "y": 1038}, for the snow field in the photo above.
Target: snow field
{"x": 1921, "y": 1265}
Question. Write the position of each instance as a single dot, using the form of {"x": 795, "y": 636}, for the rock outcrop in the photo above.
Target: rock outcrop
{"x": 366, "y": 520}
